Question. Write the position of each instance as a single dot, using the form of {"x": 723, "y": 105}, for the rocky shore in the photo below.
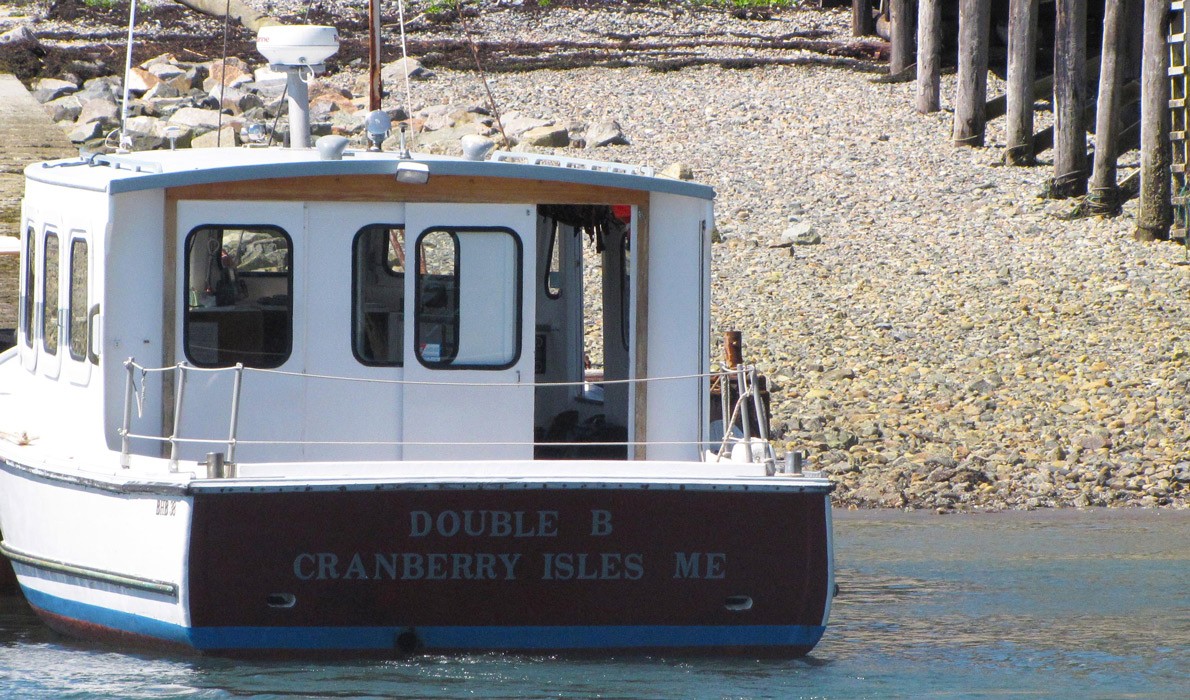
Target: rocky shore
{"x": 941, "y": 336}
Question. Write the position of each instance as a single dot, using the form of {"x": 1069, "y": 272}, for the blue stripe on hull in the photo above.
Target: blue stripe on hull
{"x": 539, "y": 638}
{"x": 114, "y": 620}
{"x": 453, "y": 638}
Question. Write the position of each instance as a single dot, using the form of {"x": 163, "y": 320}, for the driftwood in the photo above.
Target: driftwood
{"x": 235, "y": 9}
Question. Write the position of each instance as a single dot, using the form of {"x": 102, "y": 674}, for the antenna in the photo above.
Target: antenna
{"x": 482, "y": 75}
{"x": 299, "y": 50}
{"x": 125, "y": 142}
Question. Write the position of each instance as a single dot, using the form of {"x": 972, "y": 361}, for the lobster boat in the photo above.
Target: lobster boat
{"x": 316, "y": 399}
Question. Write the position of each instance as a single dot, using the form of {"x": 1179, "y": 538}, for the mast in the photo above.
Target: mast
{"x": 375, "y": 91}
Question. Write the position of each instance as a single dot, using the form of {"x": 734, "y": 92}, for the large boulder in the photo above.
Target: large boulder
{"x": 84, "y": 132}
{"x": 49, "y": 89}
{"x": 605, "y": 133}
{"x": 64, "y": 109}
{"x": 201, "y": 120}
{"x": 546, "y": 137}
{"x": 144, "y": 133}
{"x": 141, "y": 81}
{"x": 393, "y": 74}
{"x": 232, "y": 72}
{"x": 101, "y": 109}
{"x": 226, "y": 137}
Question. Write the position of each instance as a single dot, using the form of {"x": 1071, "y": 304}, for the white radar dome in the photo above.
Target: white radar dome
{"x": 301, "y": 45}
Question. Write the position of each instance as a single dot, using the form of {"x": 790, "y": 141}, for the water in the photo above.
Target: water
{"x": 1092, "y": 604}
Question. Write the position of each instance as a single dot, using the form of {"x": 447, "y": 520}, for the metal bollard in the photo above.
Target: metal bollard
{"x": 793, "y": 462}
{"x": 216, "y": 466}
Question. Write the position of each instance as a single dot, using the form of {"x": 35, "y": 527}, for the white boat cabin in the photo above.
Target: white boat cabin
{"x": 382, "y": 309}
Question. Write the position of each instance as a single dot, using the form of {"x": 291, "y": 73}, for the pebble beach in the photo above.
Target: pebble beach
{"x": 938, "y": 335}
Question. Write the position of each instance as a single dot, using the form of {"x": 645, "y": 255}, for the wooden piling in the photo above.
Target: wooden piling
{"x": 1103, "y": 194}
{"x": 972, "y": 88}
{"x": 929, "y": 56}
{"x": 862, "y": 22}
{"x": 1070, "y": 94}
{"x": 1022, "y": 67}
{"x": 901, "y": 32}
{"x": 1155, "y": 214}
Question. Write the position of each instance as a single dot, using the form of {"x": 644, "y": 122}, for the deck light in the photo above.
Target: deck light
{"x": 413, "y": 173}
{"x": 378, "y": 126}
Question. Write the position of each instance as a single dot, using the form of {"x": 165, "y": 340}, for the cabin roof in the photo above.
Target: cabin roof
{"x": 148, "y": 170}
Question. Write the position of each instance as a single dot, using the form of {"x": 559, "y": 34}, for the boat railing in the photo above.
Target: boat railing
{"x": 738, "y": 412}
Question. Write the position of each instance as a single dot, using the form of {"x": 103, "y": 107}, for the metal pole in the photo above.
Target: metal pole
{"x": 770, "y": 458}
{"x": 125, "y": 441}
{"x": 375, "y": 91}
{"x": 173, "y": 438}
{"x": 745, "y": 423}
{"x": 724, "y": 401}
{"x": 235, "y": 412}
{"x": 299, "y": 107}
{"x": 761, "y": 425}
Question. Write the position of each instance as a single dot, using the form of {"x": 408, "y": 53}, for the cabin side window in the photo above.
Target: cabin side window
{"x": 27, "y": 305}
{"x": 239, "y": 296}
{"x": 553, "y": 271}
{"x": 49, "y": 308}
{"x": 79, "y": 283}
{"x": 625, "y": 287}
{"x": 378, "y": 295}
{"x": 468, "y": 298}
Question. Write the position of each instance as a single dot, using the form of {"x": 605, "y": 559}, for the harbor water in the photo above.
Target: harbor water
{"x": 1087, "y": 604}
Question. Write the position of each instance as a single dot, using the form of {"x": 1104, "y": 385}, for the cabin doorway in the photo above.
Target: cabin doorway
{"x": 582, "y": 336}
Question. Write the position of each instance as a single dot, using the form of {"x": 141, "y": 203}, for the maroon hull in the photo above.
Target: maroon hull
{"x": 512, "y": 557}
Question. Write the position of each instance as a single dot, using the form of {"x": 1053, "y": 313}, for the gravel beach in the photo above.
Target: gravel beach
{"x": 951, "y": 341}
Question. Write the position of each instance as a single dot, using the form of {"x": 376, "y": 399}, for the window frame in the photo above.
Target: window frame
{"x": 554, "y": 248}
{"x": 222, "y": 228}
{"x": 357, "y": 290}
{"x": 518, "y": 282}
{"x": 48, "y": 321}
{"x": 83, "y": 329}
{"x": 28, "y": 309}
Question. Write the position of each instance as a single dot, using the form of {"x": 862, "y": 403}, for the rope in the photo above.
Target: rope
{"x": 405, "y": 69}
{"x": 222, "y": 75}
{"x": 412, "y": 382}
{"x": 420, "y": 443}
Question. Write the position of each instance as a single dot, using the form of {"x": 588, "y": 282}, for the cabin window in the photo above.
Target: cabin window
{"x": 378, "y": 295}
{"x": 49, "y": 307}
{"x": 27, "y": 306}
{"x": 468, "y": 298}
{"x": 78, "y": 330}
{"x": 239, "y": 296}
{"x": 553, "y": 273}
{"x": 625, "y": 287}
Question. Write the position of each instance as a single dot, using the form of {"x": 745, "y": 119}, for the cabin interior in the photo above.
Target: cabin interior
{"x": 378, "y": 330}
